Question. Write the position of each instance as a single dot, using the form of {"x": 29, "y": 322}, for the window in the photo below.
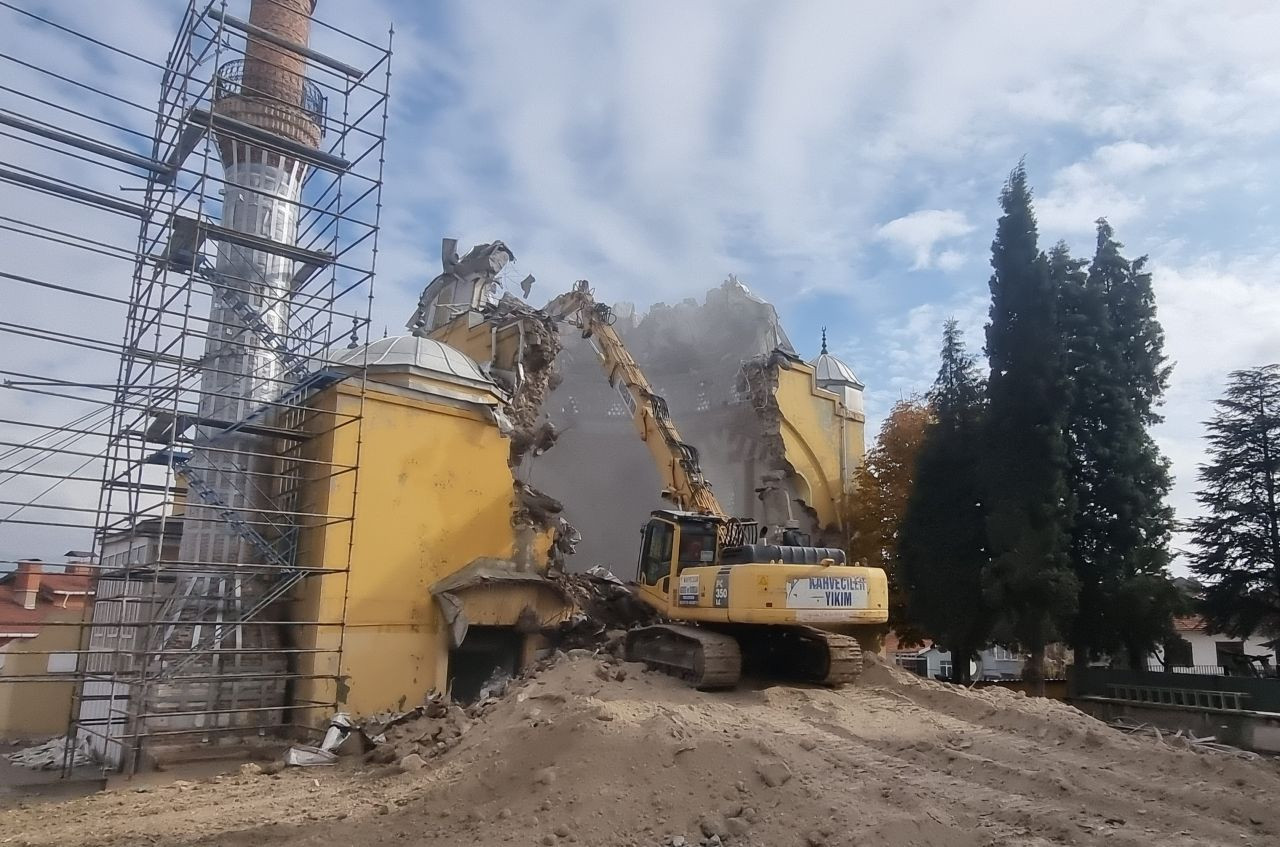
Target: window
{"x": 655, "y": 558}
{"x": 697, "y": 544}
{"x": 62, "y": 663}
{"x": 1177, "y": 652}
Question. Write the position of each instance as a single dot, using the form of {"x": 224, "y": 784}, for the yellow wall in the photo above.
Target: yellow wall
{"x": 478, "y": 341}
{"x": 811, "y": 433}
{"x": 433, "y": 493}
{"x": 39, "y": 707}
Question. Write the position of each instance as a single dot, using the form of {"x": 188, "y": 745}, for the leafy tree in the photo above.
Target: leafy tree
{"x": 942, "y": 544}
{"x": 883, "y": 484}
{"x": 1238, "y": 539}
{"x": 1029, "y": 583}
{"x": 1117, "y": 480}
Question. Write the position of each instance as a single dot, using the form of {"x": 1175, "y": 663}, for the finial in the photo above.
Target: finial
{"x": 824, "y": 340}
{"x": 384, "y": 330}
{"x": 355, "y": 336}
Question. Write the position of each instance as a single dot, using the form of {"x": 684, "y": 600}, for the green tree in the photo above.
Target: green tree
{"x": 1238, "y": 537}
{"x": 1117, "y": 480}
{"x": 942, "y": 544}
{"x": 1029, "y": 583}
{"x": 882, "y": 485}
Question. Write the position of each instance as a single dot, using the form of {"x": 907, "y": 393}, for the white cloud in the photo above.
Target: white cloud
{"x": 1129, "y": 158}
{"x": 918, "y": 233}
{"x": 1085, "y": 191}
{"x": 1218, "y": 317}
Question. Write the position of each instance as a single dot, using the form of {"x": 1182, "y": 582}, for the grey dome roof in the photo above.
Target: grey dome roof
{"x": 410, "y": 351}
{"x": 828, "y": 369}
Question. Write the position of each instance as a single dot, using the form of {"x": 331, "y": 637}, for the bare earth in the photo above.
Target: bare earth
{"x": 570, "y": 758}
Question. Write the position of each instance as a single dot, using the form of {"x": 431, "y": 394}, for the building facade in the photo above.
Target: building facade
{"x": 41, "y": 610}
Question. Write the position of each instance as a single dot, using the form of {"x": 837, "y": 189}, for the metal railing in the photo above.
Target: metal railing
{"x": 229, "y": 82}
{"x": 1199, "y": 670}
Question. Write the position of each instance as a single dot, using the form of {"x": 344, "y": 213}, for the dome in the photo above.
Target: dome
{"x": 827, "y": 368}
{"x": 409, "y": 352}
{"x": 830, "y": 370}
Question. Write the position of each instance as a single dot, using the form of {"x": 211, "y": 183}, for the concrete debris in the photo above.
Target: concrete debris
{"x": 1181, "y": 738}
{"x": 51, "y": 755}
{"x": 607, "y": 608}
{"x": 496, "y": 685}
{"x": 535, "y": 507}
{"x": 412, "y": 762}
{"x": 532, "y": 441}
{"x": 532, "y": 378}
{"x": 305, "y": 756}
{"x": 601, "y": 572}
{"x": 429, "y": 730}
{"x": 774, "y": 772}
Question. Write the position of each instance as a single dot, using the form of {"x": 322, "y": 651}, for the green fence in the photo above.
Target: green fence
{"x": 1226, "y": 693}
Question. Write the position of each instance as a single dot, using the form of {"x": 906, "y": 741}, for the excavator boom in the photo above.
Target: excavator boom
{"x": 685, "y": 485}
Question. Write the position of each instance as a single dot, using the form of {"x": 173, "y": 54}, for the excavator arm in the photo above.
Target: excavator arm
{"x": 685, "y": 485}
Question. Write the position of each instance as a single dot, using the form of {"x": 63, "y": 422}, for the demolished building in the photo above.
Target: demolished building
{"x": 778, "y": 443}
{"x": 779, "y": 437}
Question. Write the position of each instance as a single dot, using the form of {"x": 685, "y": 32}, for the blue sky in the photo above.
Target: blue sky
{"x": 842, "y": 158}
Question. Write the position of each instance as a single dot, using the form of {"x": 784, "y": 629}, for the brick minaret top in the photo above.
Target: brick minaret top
{"x": 271, "y": 91}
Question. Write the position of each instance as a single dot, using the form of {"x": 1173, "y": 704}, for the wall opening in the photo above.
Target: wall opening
{"x": 487, "y": 657}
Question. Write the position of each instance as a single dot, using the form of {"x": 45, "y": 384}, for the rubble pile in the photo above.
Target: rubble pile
{"x": 51, "y": 755}
{"x": 590, "y": 750}
{"x": 606, "y": 609}
{"x": 430, "y": 730}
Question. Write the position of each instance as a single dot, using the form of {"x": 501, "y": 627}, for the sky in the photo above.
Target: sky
{"x": 843, "y": 159}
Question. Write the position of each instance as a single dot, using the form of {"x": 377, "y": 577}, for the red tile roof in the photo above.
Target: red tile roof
{"x": 15, "y": 620}
{"x": 1191, "y": 623}
{"x": 64, "y": 582}
{"x": 892, "y": 644}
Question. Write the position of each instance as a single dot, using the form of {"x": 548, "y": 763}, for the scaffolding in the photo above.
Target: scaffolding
{"x": 243, "y": 210}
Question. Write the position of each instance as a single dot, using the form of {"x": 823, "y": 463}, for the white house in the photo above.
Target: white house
{"x": 1197, "y": 651}
{"x": 929, "y": 661}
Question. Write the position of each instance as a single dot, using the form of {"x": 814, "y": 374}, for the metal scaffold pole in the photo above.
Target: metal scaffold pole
{"x": 202, "y": 261}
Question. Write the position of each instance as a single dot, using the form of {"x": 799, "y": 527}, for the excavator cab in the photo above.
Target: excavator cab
{"x": 671, "y": 542}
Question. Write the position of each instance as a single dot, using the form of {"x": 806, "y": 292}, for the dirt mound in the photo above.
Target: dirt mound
{"x": 593, "y": 751}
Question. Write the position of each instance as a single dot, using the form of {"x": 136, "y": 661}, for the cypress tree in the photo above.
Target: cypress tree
{"x": 1117, "y": 479}
{"x": 1238, "y": 538}
{"x": 942, "y": 543}
{"x": 1029, "y": 583}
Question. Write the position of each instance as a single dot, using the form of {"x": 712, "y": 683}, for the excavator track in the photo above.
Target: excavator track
{"x": 843, "y": 656}
{"x": 705, "y": 659}
{"x": 802, "y": 653}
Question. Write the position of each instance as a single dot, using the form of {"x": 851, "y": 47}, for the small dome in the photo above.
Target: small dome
{"x": 829, "y": 369}
{"x": 412, "y": 352}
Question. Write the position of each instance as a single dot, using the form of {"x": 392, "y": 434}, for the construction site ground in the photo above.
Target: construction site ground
{"x": 589, "y": 751}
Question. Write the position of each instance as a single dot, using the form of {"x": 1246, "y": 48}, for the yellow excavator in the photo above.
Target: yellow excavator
{"x": 786, "y": 608}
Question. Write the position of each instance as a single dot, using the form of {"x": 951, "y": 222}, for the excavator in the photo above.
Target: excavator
{"x": 785, "y": 609}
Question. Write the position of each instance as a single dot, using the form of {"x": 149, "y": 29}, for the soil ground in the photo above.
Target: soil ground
{"x": 574, "y": 756}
